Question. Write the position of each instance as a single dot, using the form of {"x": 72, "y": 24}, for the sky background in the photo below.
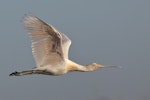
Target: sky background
{"x": 109, "y": 32}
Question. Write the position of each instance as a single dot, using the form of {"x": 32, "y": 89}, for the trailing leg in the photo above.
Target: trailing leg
{"x": 25, "y": 72}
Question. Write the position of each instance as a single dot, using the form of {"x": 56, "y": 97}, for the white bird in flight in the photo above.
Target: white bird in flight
{"x": 50, "y": 50}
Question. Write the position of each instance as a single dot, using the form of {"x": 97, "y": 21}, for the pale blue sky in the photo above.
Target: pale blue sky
{"x": 110, "y": 32}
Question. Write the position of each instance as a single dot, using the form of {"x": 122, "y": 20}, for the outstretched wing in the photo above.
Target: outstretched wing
{"x": 46, "y": 41}
{"x": 66, "y": 42}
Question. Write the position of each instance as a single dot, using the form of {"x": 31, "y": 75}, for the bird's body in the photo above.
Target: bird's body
{"x": 50, "y": 50}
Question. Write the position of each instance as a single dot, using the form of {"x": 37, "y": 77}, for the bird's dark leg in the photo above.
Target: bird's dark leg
{"x": 26, "y": 72}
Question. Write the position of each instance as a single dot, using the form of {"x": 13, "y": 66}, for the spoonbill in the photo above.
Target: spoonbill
{"x": 50, "y": 50}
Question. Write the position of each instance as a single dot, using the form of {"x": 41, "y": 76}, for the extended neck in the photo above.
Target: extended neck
{"x": 72, "y": 66}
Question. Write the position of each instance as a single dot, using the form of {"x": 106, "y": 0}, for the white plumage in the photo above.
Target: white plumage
{"x": 50, "y": 50}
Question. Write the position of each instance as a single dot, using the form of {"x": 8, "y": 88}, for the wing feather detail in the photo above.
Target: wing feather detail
{"x": 46, "y": 41}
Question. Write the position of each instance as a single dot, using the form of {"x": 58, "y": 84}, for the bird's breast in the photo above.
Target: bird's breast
{"x": 56, "y": 69}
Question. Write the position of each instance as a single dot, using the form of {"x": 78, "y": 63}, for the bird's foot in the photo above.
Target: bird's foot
{"x": 15, "y": 74}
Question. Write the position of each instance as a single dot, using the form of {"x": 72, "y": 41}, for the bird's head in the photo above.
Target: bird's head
{"x": 94, "y": 66}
